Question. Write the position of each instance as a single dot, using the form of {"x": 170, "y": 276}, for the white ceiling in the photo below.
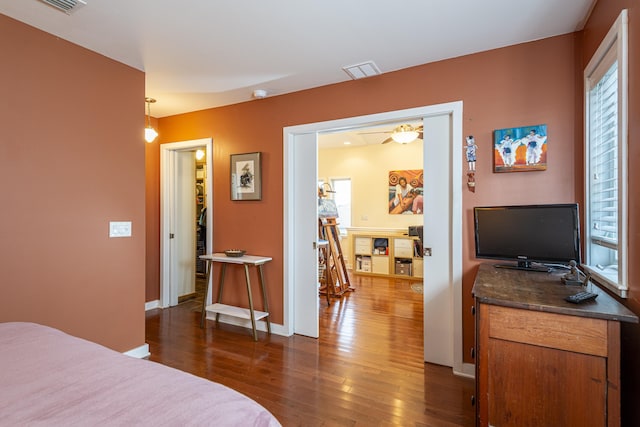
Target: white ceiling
{"x": 199, "y": 54}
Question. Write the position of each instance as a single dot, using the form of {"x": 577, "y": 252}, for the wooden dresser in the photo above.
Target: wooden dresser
{"x": 542, "y": 361}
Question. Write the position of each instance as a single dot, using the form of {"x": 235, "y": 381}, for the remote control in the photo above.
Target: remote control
{"x": 581, "y": 297}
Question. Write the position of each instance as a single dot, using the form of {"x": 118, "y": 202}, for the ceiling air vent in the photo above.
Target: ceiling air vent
{"x": 360, "y": 71}
{"x": 67, "y": 6}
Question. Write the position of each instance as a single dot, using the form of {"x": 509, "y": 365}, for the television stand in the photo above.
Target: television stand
{"x": 526, "y": 266}
{"x": 580, "y": 344}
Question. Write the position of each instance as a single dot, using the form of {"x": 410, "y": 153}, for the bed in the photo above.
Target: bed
{"x": 48, "y": 377}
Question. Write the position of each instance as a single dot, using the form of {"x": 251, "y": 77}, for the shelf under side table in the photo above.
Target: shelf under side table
{"x": 230, "y": 310}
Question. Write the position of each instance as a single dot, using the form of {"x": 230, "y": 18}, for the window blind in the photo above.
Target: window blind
{"x": 603, "y": 141}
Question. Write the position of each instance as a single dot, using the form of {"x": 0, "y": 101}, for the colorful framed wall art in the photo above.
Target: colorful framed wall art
{"x": 520, "y": 149}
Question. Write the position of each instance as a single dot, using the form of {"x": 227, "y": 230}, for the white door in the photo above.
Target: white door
{"x": 303, "y": 197}
{"x": 185, "y": 226}
{"x": 177, "y": 224}
{"x": 437, "y": 284}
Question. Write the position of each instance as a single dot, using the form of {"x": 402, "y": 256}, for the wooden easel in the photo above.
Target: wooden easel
{"x": 328, "y": 230}
{"x": 325, "y": 275}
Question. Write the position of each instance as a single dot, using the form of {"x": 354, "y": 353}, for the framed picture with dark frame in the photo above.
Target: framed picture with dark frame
{"x": 246, "y": 176}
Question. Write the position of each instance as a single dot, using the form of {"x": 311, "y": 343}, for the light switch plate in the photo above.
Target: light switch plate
{"x": 120, "y": 229}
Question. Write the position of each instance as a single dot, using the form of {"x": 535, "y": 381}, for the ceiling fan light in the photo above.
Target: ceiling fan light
{"x": 150, "y": 134}
{"x": 405, "y": 137}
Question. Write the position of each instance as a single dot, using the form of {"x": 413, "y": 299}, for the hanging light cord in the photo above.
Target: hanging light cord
{"x": 149, "y": 101}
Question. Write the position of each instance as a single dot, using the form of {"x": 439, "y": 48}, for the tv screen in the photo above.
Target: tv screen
{"x": 526, "y": 234}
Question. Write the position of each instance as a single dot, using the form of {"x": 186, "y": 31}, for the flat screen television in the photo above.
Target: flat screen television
{"x": 529, "y": 235}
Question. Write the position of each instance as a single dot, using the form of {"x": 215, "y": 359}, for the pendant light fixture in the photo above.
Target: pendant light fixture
{"x": 150, "y": 134}
{"x": 405, "y": 134}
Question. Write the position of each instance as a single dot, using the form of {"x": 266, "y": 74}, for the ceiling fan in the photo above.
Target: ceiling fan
{"x": 403, "y": 134}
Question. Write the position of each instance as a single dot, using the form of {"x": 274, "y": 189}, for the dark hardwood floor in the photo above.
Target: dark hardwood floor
{"x": 366, "y": 369}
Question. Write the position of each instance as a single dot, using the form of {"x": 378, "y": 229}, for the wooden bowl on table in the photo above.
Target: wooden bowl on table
{"x": 234, "y": 253}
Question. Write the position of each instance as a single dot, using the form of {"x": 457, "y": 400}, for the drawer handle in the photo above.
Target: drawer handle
{"x": 473, "y": 353}
{"x": 473, "y": 310}
{"x": 473, "y": 400}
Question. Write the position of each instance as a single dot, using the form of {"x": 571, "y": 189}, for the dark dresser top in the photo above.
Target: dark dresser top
{"x": 538, "y": 291}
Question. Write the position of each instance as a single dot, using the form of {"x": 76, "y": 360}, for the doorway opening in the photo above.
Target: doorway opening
{"x": 442, "y": 234}
{"x": 195, "y": 287}
{"x": 185, "y": 210}
{"x": 358, "y": 172}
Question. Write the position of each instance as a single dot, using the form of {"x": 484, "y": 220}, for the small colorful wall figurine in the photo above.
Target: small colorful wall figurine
{"x": 520, "y": 149}
{"x": 470, "y": 152}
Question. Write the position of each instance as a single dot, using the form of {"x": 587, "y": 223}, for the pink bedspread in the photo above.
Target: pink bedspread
{"x": 49, "y": 378}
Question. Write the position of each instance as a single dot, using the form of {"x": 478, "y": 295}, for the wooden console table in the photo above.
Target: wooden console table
{"x": 218, "y": 308}
{"x": 542, "y": 361}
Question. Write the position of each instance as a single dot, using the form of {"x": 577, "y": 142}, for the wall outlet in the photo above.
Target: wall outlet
{"x": 120, "y": 229}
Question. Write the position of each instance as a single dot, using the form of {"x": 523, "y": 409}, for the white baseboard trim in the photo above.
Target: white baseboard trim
{"x": 276, "y": 329}
{"x": 151, "y": 305}
{"x": 468, "y": 370}
{"x": 139, "y": 352}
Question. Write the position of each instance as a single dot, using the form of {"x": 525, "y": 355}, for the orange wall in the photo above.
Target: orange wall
{"x": 152, "y": 204}
{"x": 71, "y": 160}
{"x": 603, "y": 16}
{"x": 516, "y": 86}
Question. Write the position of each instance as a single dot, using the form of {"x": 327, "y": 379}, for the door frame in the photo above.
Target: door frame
{"x": 291, "y": 168}
{"x": 168, "y": 179}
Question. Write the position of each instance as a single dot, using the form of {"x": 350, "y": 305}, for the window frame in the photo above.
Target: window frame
{"x": 614, "y": 47}
{"x": 343, "y": 228}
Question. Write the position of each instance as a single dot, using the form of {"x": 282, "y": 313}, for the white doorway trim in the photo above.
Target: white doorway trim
{"x": 307, "y": 134}
{"x": 168, "y": 178}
